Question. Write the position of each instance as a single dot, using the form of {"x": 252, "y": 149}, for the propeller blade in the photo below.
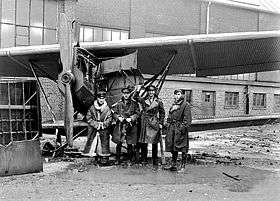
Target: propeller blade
{"x": 66, "y": 77}
{"x": 68, "y": 115}
{"x": 65, "y": 41}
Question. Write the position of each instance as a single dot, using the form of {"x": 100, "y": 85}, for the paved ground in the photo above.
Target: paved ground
{"x": 249, "y": 154}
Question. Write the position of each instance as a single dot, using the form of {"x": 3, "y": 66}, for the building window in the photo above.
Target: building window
{"x": 245, "y": 76}
{"x": 97, "y": 34}
{"x": 188, "y": 95}
{"x": 277, "y": 101}
{"x": 207, "y": 97}
{"x": 259, "y": 100}
{"x": 28, "y": 22}
{"x": 231, "y": 99}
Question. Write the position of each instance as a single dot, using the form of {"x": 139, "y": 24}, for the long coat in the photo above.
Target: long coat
{"x": 99, "y": 120}
{"x": 152, "y": 115}
{"x": 129, "y": 109}
{"x": 179, "y": 120}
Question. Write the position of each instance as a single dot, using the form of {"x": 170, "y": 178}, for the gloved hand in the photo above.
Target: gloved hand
{"x": 121, "y": 119}
{"x": 128, "y": 120}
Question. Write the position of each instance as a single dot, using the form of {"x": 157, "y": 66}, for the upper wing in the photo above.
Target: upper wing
{"x": 211, "y": 54}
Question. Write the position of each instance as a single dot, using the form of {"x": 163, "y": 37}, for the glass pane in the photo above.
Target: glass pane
{"x": 247, "y": 76}
{"x": 22, "y": 12}
{"x": 50, "y": 15}
{"x": 97, "y": 34}
{"x": 8, "y": 11}
{"x": 36, "y": 36}
{"x": 116, "y": 35}
{"x": 88, "y": 34}
{"x": 107, "y": 35}
{"x": 240, "y": 76}
{"x": 7, "y": 35}
{"x": 81, "y": 34}
{"x": 124, "y": 35}
{"x": 50, "y": 37}
{"x": 36, "y": 13}
{"x": 22, "y": 31}
{"x": 21, "y": 41}
{"x": 234, "y": 77}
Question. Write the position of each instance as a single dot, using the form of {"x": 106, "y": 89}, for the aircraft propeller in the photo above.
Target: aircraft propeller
{"x": 69, "y": 41}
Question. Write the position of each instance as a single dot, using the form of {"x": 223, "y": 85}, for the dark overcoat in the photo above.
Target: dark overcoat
{"x": 94, "y": 117}
{"x": 129, "y": 109}
{"x": 152, "y": 115}
{"x": 178, "y": 121}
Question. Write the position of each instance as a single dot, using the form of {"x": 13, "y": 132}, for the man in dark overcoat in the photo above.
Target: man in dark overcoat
{"x": 178, "y": 123}
{"x": 125, "y": 113}
{"x": 152, "y": 120}
{"x": 99, "y": 118}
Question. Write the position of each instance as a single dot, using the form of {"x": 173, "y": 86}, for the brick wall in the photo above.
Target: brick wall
{"x": 55, "y": 99}
{"x": 219, "y": 88}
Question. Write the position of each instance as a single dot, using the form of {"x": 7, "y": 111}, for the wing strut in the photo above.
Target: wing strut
{"x": 163, "y": 76}
{"x": 46, "y": 99}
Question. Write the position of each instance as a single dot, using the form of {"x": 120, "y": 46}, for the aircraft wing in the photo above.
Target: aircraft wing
{"x": 211, "y": 54}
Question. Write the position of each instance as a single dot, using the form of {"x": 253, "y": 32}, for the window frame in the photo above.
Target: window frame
{"x": 230, "y": 98}
{"x": 257, "y": 102}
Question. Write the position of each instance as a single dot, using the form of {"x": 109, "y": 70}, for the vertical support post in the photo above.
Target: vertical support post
{"x": 193, "y": 56}
{"x": 10, "y": 112}
{"x": 23, "y": 113}
{"x": 208, "y": 17}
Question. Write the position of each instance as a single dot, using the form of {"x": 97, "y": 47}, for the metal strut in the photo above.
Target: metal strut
{"x": 164, "y": 74}
{"x": 46, "y": 99}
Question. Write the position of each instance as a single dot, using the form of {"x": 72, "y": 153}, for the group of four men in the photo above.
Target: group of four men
{"x": 138, "y": 120}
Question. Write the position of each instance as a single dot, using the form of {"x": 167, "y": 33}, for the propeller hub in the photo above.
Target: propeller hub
{"x": 67, "y": 78}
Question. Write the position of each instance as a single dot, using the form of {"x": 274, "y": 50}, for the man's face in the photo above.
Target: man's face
{"x": 151, "y": 93}
{"x": 178, "y": 96}
{"x": 126, "y": 95}
{"x": 101, "y": 100}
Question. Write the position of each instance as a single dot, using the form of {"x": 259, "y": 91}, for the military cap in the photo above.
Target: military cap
{"x": 101, "y": 94}
{"x": 178, "y": 91}
{"x": 126, "y": 90}
{"x": 151, "y": 88}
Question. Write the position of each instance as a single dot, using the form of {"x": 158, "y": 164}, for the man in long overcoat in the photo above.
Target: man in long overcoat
{"x": 99, "y": 118}
{"x": 125, "y": 112}
{"x": 152, "y": 120}
{"x": 178, "y": 123}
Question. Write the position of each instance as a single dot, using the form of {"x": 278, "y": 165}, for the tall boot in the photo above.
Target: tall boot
{"x": 183, "y": 162}
{"x": 118, "y": 154}
{"x": 137, "y": 153}
{"x": 129, "y": 153}
{"x": 144, "y": 153}
{"x": 155, "y": 154}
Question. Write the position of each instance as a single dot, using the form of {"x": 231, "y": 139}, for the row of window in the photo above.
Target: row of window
{"x": 245, "y": 76}
{"x": 97, "y": 34}
{"x": 28, "y": 22}
{"x": 232, "y": 99}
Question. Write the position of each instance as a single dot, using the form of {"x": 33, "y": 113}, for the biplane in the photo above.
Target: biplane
{"x": 79, "y": 69}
